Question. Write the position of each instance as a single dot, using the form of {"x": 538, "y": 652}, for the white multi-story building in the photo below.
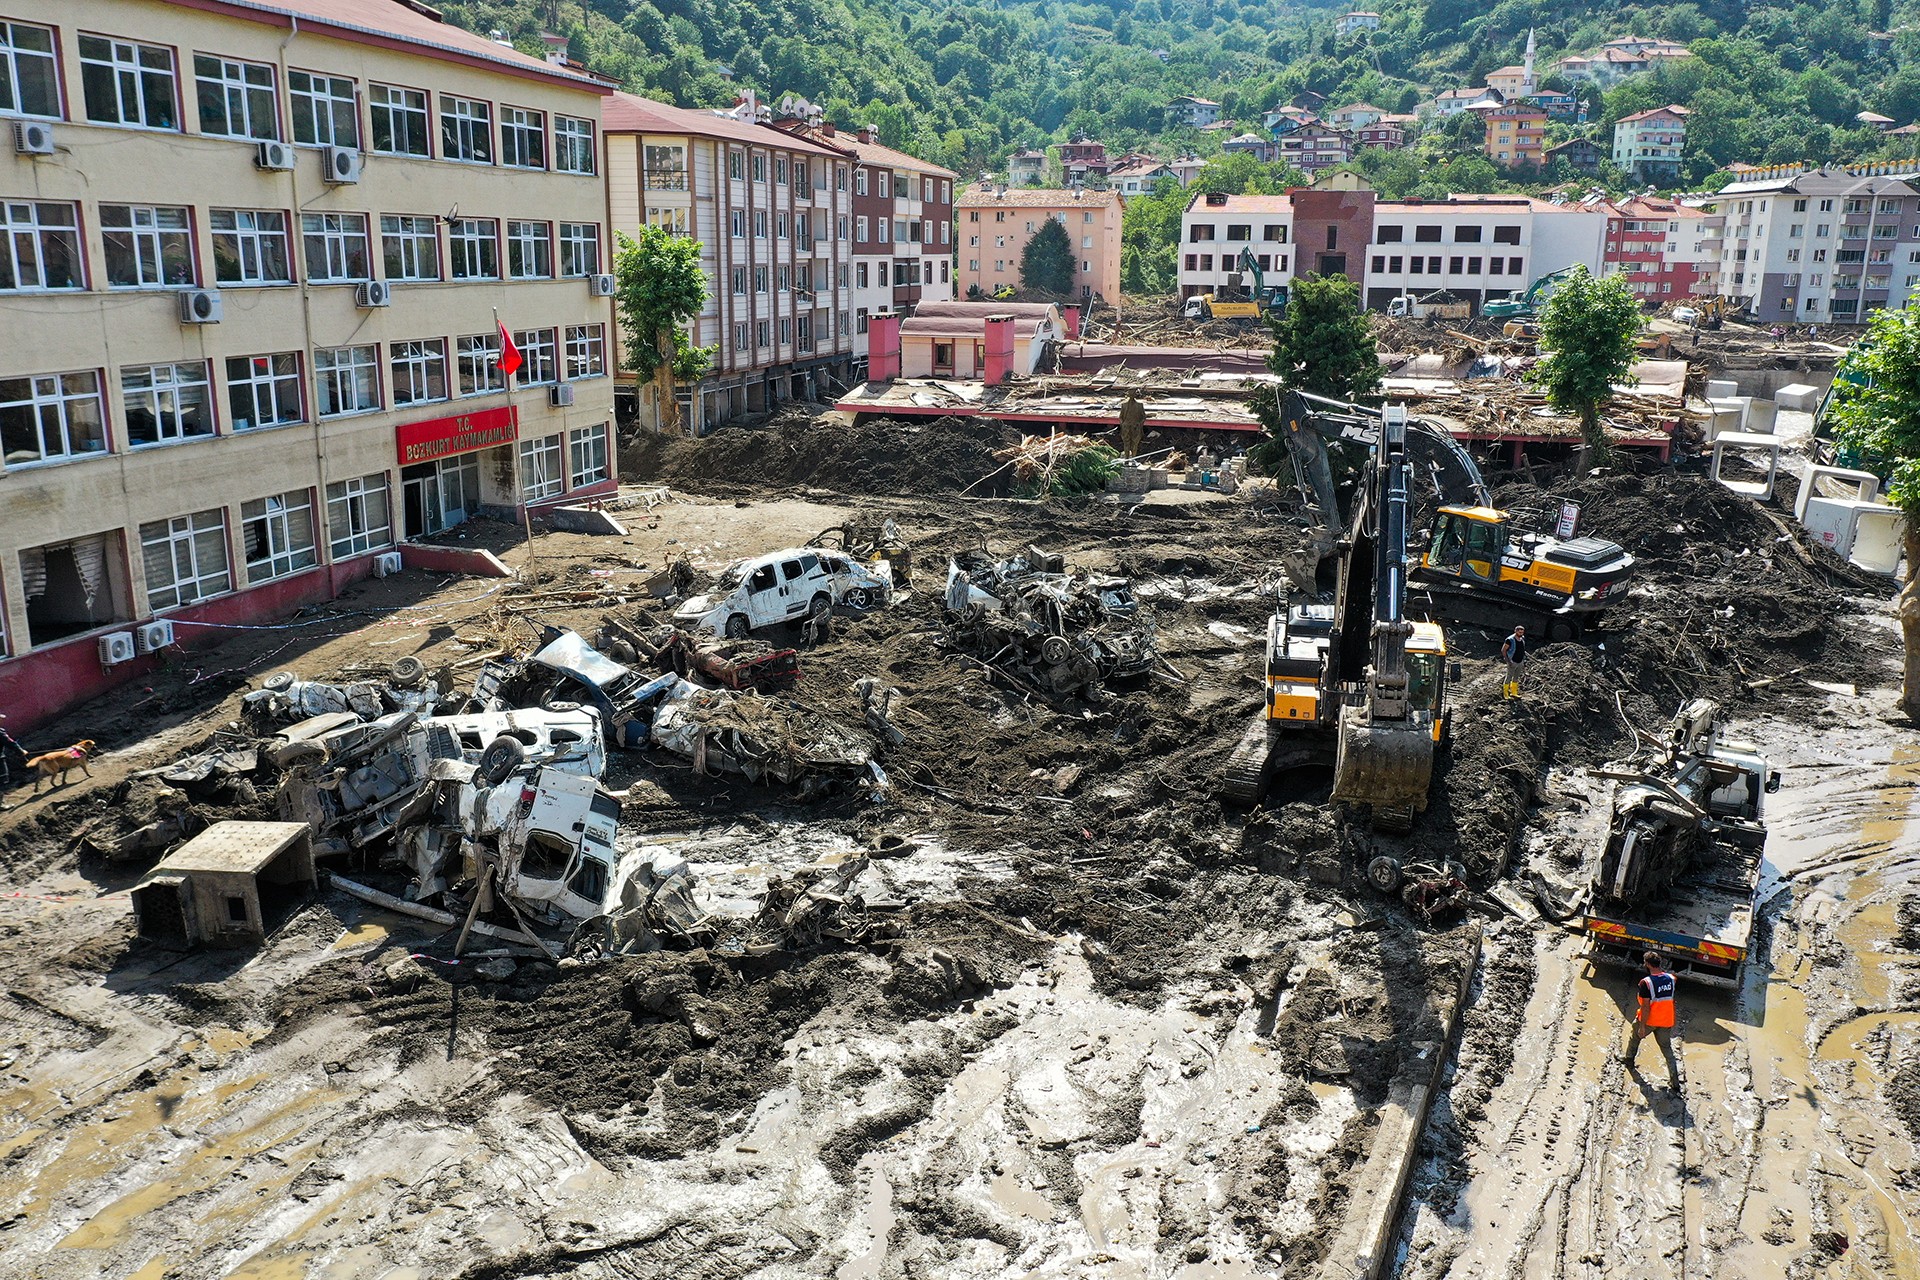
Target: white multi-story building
{"x": 1821, "y": 245}
{"x": 257, "y": 253}
{"x": 1648, "y": 144}
{"x": 773, "y": 214}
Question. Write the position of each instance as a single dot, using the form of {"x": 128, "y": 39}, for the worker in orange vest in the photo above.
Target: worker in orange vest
{"x": 1655, "y": 1015}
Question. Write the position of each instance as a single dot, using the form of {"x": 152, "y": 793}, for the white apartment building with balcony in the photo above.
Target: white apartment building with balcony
{"x": 1823, "y": 245}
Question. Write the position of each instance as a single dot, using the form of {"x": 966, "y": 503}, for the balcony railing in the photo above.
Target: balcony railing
{"x": 666, "y": 180}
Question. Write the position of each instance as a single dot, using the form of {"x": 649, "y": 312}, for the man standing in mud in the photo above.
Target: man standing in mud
{"x": 1133, "y": 426}
{"x": 1655, "y": 1015}
{"x": 1513, "y": 652}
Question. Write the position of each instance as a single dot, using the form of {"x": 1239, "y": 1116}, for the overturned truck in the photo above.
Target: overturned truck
{"x": 1064, "y": 633}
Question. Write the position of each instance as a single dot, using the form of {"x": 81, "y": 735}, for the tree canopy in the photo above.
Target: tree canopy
{"x": 658, "y": 287}
{"x": 1322, "y": 343}
{"x": 1046, "y": 263}
{"x": 1587, "y": 333}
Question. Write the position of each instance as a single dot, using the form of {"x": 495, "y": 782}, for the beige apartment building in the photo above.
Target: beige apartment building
{"x": 995, "y": 222}
{"x": 772, "y": 212}
{"x": 256, "y": 256}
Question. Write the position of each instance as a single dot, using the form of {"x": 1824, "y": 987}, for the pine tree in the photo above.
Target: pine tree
{"x": 1046, "y": 264}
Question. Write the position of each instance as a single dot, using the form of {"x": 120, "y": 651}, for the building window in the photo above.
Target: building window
{"x": 759, "y": 224}
{"x": 579, "y": 248}
{"x": 348, "y": 379}
{"x": 523, "y": 138}
{"x": 1466, "y": 235}
{"x": 264, "y": 391}
{"x": 359, "y": 516}
{"x": 478, "y": 358}
{"x": 762, "y": 334}
{"x": 586, "y": 352}
{"x": 29, "y": 73}
{"x": 738, "y": 278}
{"x": 1379, "y": 263}
{"x": 278, "y": 533}
{"x": 786, "y": 330}
{"x": 780, "y": 170}
{"x": 538, "y": 351}
{"x": 740, "y": 335}
{"x": 785, "y": 277}
{"x": 859, "y": 182}
{"x": 884, "y": 228}
{"x": 410, "y": 246}
{"x": 324, "y": 112}
{"x": 860, "y": 320}
{"x": 146, "y": 246}
{"x": 760, "y": 279}
{"x": 573, "y": 150}
{"x": 336, "y": 247}
{"x": 587, "y": 451}
{"x": 1239, "y": 231}
{"x": 736, "y": 165}
{"x": 466, "y": 130}
{"x": 250, "y": 247}
{"x": 541, "y": 474}
{"x": 671, "y": 221}
{"x": 759, "y": 168}
{"x": 1426, "y": 234}
{"x": 167, "y": 402}
{"x": 1201, "y": 231}
{"x": 51, "y": 417}
{"x": 419, "y": 371}
{"x": 475, "y": 246}
{"x": 236, "y": 98}
{"x": 399, "y": 116}
{"x": 529, "y": 251}
{"x": 43, "y": 243}
{"x": 185, "y": 559}
{"x": 128, "y": 84}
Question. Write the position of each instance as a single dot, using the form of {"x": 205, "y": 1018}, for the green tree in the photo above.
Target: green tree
{"x": 1047, "y": 263}
{"x": 1322, "y": 345}
{"x": 1877, "y": 415}
{"x": 1587, "y": 335}
{"x": 658, "y": 287}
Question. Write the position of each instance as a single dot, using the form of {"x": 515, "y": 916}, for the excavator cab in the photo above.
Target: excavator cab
{"x": 1468, "y": 542}
{"x": 1428, "y": 676}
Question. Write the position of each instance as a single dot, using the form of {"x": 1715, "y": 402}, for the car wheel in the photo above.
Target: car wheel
{"x": 857, "y": 598}
{"x": 737, "y": 626}
{"x": 408, "y": 672}
{"x": 278, "y": 681}
{"x": 821, "y": 607}
{"x": 1383, "y": 873}
{"x": 502, "y": 756}
{"x": 294, "y": 755}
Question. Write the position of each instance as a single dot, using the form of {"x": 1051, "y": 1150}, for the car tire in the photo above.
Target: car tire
{"x": 857, "y": 598}
{"x": 278, "y": 682}
{"x": 295, "y": 755}
{"x": 1383, "y": 873}
{"x": 737, "y": 627}
{"x": 408, "y": 672}
{"x": 821, "y": 606}
{"x": 502, "y": 756}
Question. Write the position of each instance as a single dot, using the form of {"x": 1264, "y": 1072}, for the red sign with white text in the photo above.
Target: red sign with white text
{"x": 461, "y": 433}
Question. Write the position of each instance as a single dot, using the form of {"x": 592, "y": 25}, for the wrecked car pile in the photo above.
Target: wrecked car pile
{"x": 1063, "y": 633}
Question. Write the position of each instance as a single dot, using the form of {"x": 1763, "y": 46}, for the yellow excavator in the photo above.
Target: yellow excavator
{"x": 1349, "y": 674}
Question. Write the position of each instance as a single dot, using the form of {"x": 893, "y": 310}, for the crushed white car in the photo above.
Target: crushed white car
{"x": 785, "y": 586}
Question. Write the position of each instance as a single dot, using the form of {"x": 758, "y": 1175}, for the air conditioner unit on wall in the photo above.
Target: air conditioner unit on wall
{"x": 276, "y": 156}
{"x": 153, "y": 636}
{"x": 560, "y": 395}
{"x": 600, "y": 286}
{"x": 343, "y": 165}
{"x": 32, "y": 138}
{"x": 116, "y": 647}
{"x": 387, "y": 563}
{"x": 200, "y": 306}
{"x": 374, "y": 293}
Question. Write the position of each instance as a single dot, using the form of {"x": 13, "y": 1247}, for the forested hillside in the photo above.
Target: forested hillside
{"x": 963, "y": 83}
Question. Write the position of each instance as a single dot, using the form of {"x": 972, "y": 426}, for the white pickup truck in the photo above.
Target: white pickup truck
{"x": 785, "y": 586}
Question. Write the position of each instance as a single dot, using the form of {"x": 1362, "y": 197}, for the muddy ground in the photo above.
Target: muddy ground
{"x": 1112, "y": 1028}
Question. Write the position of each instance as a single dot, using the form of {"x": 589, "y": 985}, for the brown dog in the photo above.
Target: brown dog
{"x": 58, "y": 764}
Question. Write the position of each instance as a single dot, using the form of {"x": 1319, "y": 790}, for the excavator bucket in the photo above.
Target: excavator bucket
{"x": 1385, "y": 764}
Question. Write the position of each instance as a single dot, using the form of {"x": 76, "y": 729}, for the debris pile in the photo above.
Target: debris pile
{"x": 1061, "y": 465}
{"x": 1066, "y": 634}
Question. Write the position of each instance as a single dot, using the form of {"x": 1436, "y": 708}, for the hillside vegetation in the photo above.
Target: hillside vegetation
{"x": 965, "y": 83}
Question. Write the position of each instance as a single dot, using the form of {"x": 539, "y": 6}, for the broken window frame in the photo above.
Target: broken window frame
{"x": 587, "y": 456}
{"x": 178, "y": 397}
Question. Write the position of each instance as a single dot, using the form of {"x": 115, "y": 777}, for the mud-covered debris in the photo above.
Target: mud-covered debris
{"x": 763, "y": 739}
{"x": 1064, "y": 633}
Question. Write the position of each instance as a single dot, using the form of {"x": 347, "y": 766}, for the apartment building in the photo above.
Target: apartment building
{"x": 1648, "y": 144}
{"x": 1821, "y": 245}
{"x": 1312, "y": 145}
{"x": 773, "y": 214}
{"x": 902, "y": 211}
{"x": 1196, "y": 113}
{"x": 995, "y": 224}
{"x": 1138, "y": 176}
{"x": 258, "y": 255}
{"x": 1474, "y": 247}
{"x": 1516, "y": 134}
{"x": 1668, "y": 250}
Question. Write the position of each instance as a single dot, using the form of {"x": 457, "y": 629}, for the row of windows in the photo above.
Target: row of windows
{"x": 1003, "y": 264}
{"x": 154, "y": 246}
{"x": 137, "y": 86}
{"x": 1422, "y": 265}
{"x": 1000, "y": 215}
{"x": 188, "y": 558}
{"x": 887, "y": 185}
{"x": 56, "y": 417}
{"x": 795, "y": 330}
{"x": 1204, "y": 261}
{"x": 1430, "y": 233}
{"x": 1273, "y": 233}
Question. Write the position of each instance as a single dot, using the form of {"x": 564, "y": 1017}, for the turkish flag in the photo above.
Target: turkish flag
{"x": 510, "y": 360}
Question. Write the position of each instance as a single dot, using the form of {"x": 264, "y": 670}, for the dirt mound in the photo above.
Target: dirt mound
{"x": 894, "y": 456}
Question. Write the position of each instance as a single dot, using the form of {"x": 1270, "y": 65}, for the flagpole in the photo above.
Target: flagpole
{"x": 519, "y": 479}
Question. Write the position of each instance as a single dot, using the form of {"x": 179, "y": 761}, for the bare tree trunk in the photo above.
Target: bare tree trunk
{"x": 667, "y": 405}
{"x": 1907, "y": 609}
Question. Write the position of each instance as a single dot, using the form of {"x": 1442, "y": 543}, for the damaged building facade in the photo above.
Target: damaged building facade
{"x": 257, "y": 258}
